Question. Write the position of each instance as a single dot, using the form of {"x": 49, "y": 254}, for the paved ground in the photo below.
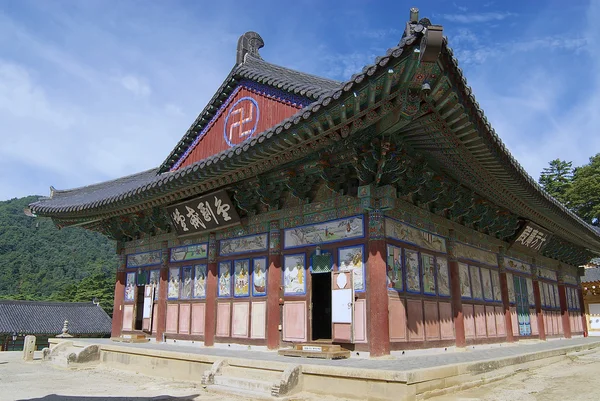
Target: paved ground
{"x": 408, "y": 362}
{"x": 572, "y": 380}
{"x": 38, "y": 381}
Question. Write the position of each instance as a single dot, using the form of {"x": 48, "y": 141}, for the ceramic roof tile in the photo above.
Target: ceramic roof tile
{"x": 33, "y": 317}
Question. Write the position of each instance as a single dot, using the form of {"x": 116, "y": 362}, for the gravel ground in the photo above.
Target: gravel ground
{"x": 572, "y": 379}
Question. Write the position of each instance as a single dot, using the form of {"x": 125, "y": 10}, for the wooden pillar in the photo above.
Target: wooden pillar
{"x": 538, "y": 304}
{"x": 117, "y": 317}
{"x": 564, "y": 307}
{"x": 163, "y": 287}
{"x": 210, "y": 317}
{"x": 378, "y": 324}
{"x": 505, "y": 299}
{"x": 455, "y": 293}
{"x": 584, "y": 318}
{"x": 273, "y": 283}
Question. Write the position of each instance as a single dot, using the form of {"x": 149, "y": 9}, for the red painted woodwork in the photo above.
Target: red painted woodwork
{"x": 564, "y": 310}
{"x": 273, "y": 308}
{"x": 210, "y": 320}
{"x": 271, "y": 112}
{"x": 161, "y": 305}
{"x": 118, "y": 304}
{"x": 457, "y": 308}
{"x": 377, "y": 300}
{"x": 510, "y": 337}
{"x": 582, "y": 312}
{"x": 538, "y": 310}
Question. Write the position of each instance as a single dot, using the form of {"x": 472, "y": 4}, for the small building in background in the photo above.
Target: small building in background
{"x": 590, "y": 282}
{"x": 46, "y": 320}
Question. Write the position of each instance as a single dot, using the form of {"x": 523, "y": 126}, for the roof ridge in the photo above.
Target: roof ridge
{"x": 47, "y": 303}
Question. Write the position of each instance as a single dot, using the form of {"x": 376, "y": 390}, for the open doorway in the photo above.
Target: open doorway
{"x": 139, "y": 308}
{"x": 321, "y": 306}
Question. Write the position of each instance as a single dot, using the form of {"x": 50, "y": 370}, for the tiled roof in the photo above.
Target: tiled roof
{"x": 591, "y": 274}
{"x": 32, "y": 317}
{"x": 513, "y": 175}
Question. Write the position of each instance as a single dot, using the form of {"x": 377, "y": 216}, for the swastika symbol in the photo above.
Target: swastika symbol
{"x": 241, "y": 121}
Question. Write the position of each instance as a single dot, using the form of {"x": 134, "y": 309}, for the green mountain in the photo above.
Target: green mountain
{"x": 40, "y": 262}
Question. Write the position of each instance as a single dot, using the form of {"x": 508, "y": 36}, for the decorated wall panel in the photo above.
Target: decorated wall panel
{"x": 517, "y": 265}
{"x": 244, "y": 114}
{"x": 144, "y": 259}
{"x": 406, "y": 233}
{"x": 294, "y": 274}
{"x": 294, "y": 321}
{"x": 467, "y": 252}
{"x": 246, "y": 244}
{"x": 258, "y": 320}
{"x": 329, "y": 231}
{"x": 189, "y": 252}
{"x": 352, "y": 258}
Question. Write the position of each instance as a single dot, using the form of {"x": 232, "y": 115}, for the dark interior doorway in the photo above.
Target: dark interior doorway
{"x": 321, "y": 306}
{"x": 139, "y": 308}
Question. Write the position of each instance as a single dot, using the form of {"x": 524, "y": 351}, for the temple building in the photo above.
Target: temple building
{"x": 381, "y": 213}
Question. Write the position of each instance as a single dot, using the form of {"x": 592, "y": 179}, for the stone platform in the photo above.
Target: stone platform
{"x": 413, "y": 376}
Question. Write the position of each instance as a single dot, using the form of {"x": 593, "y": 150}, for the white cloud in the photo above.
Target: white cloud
{"x": 475, "y": 18}
{"x": 135, "y": 85}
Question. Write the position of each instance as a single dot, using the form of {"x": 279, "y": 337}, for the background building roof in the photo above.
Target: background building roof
{"x": 33, "y": 317}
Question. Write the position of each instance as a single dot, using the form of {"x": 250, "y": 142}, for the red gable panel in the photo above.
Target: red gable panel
{"x": 247, "y": 112}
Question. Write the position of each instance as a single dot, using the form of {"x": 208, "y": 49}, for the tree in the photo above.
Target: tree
{"x": 584, "y": 192}
{"x": 557, "y": 179}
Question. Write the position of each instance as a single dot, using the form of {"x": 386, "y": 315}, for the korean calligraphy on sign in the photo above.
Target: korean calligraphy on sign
{"x": 204, "y": 213}
{"x": 532, "y": 237}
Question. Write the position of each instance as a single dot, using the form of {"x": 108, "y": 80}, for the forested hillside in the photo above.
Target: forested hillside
{"x": 40, "y": 262}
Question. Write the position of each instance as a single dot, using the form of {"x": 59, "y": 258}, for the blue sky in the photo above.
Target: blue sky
{"x": 94, "y": 90}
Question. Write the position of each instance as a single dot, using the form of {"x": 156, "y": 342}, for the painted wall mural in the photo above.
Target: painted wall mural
{"x": 330, "y": 231}
{"x": 394, "y": 268}
{"x": 496, "y": 285}
{"x": 173, "y": 287}
{"x": 567, "y": 279}
{"x": 476, "y": 282}
{"x": 294, "y": 274}
{"x": 427, "y": 266}
{"x": 246, "y": 244}
{"x": 530, "y": 296}
{"x": 465, "y": 281}
{"x": 189, "y": 252}
{"x": 200, "y": 272}
{"x": 144, "y": 259}
{"x": 241, "y": 281}
{"x": 154, "y": 280}
{"x": 407, "y": 233}
{"x": 511, "y": 287}
{"x": 443, "y": 277}
{"x": 486, "y": 281}
{"x": 547, "y": 273}
{"x": 259, "y": 276}
{"x": 352, "y": 258}
{"x": 186, "y": 283}
{"x": 224, "y": 279}
{"x": 411, "y": 261}
{"x": 464, "y": 251}
{"x": 544, "y": 294}
{"x": 515, "y": 264}
{"x": 130, "y": 286}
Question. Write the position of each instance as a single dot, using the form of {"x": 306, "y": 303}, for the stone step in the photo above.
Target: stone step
{"x": 243, "y": 394}
{"x": 259, "y": 386}
{"x": 251, "y": 373}
{"x": 318, "y": 347}
{"x": 342, "y": 354}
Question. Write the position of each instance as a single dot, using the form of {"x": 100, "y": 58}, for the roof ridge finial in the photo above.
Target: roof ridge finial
{"x": 249, "y": 43}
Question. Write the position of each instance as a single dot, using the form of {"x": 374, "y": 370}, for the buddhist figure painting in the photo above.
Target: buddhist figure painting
{"x": 465, "y": 281}
{"x": 224, "y": 279}
{"x": 427, "y": 267}
{"x": 259, "y": 276}
{"x": 351, "y": 258}
{"x": 173, "y": 287}
{"x": 411, "y": 261}
{"x": 241, "y": 282}
{"x": 186, "y": 283}
{"x": 294, "y": 275}
{"x": 130, "y": 286}
{"x": 394, "y": 268}
{"x": 443, "y": 279}
{"x": 200, "y": 281}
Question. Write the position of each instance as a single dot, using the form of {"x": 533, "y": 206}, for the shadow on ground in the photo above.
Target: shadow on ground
{"x": 56, "y": 397}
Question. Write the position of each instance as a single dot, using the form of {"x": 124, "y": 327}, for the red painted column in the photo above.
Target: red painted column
{"x": 584, "y": 319}
{"x": 538, "y": 308}
{"x": 210, "y": 317}
{"x": 505, "y": 300}
{"x": 273, "y": 282}
{"x": 455, "y": 293}
{"x": 117, "y": 317}
{"x": 161, "y": 304}
{"x": 378, "y": 324}
{"x": 564, "y": 309}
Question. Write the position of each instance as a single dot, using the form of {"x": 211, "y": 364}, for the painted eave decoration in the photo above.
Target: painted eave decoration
{"x": 419, "y": 78}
